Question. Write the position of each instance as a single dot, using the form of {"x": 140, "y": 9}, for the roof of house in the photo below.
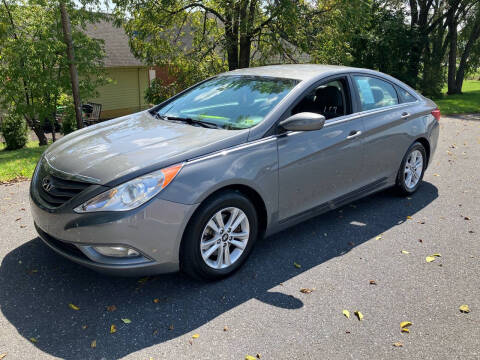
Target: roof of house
{"x": 117, "y": 50}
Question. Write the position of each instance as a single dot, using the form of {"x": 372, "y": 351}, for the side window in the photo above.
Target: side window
{"x": 375, "y": 93}
{"x": 330, "y": 100}
{"x": 404, "y": 95}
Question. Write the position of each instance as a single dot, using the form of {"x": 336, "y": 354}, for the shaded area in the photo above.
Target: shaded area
{"x": 37, "y": 285}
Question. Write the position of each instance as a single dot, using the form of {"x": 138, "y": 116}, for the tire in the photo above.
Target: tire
{"x": 200, "y": 231}
{"x": 403, "y": 186}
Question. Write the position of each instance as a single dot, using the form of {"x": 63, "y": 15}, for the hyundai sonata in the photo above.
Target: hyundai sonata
{"x": 192, "y": 183}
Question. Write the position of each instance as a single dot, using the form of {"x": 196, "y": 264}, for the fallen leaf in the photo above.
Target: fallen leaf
{"x": 156, "y": 301}
{"x": 195, "y": 336}
{"x": 421, "y": 222}
{"x": 225, "y": 328}
{"x": 398, "y": 344}
{"x": 298, "y": 266}
{"x": 378, "y": 237}
{"x": 171, "y": 327}
{"x": 347, "y": 332}
{"x": 307, "y": 290}
{"x": 126, "y": 321}
{"x": 373, "y": 282}
{"x": 259, "y": 356}
{"x": 436, "y": 175}
{"x": 74, "y": 307}
{"x": 464, "y": 309}
{"x": 84, "y": 327}
{"x": 346, "y": 313}
{"x": 111, "y": 308}
{"x": 2, "y": 356}
{"x": 432, "y": 257}
{"x": 249, "y": 357}
{"x": 404, "y": 326}
{"x": 93, "y": 344}
{"x": 33, "y": 340}
{"x": 466, "y": 218}
{"x": 18, "y": 219}
{"x": 113, "y": 329}
{"x": 359, "y": 315}
{"x": 405, "y": 252}
{"x": 409, "y": 217}
{"x": 155, "y": 332}
{"x": 420, "y": 240}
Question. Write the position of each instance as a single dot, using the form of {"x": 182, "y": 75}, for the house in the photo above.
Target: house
{"x": 130, "y": 77}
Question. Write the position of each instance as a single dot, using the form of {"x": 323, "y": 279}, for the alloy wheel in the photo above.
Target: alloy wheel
{"x": 225, "y": 238}
{"x": 413, "y": 169}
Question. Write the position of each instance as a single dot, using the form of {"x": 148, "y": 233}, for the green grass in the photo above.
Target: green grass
{"x": 19, "y": 164}
{"x": 468, "y": 102}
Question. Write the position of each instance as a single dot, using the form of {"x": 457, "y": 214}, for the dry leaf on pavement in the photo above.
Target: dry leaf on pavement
{"x": 298, "y": 266}
{"x": 359, "y": 315}
{"x": 113, "y": 329}
{"x": 398, "y": 344}
{"x": 464, "y": 308}
{"x": 405, "y": 252}
{"x": 346, "y": 313}
{"x": 111, "y": 308}
{"x": 404, "y": 326}
{"x": 93, "y": 344}
{"x": 126, "y": 321}
{"x": 73, "y": 307}
{"x": 306, "y": 290}
{"x": 195, "y": 336}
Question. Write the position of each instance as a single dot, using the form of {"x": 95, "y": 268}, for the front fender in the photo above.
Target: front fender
{"x": 253, "y": 164}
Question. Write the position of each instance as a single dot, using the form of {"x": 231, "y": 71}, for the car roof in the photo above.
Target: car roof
{"x": 292, "y": 71}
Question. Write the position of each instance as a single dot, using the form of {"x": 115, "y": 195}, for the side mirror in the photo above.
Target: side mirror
{"x": 304, "y": 121}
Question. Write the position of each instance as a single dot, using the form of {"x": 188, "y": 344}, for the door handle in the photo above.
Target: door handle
{"x": 353, "y": 134}
{"x": 405, "y": 115}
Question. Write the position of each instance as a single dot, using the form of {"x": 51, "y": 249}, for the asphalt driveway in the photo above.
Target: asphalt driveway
{"x": 261, "y": 310}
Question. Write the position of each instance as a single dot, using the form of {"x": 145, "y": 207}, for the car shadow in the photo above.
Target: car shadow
{"x": 37, "y": 285}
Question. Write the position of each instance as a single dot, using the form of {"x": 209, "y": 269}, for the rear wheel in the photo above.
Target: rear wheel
{"x": 411, "y": 170}
{"x": 219, "y": 237}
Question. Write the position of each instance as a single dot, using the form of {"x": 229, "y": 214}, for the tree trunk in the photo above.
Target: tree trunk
{"x": 67, "y": 34}
{"x": 452, "y": 54}
{"x": 245, "y": 42}
{"x": 231, "y": 36}
{"x": 38, "y": 130}
{"x": 474, "y": 36}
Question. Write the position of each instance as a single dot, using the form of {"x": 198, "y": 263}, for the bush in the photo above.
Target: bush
{"x": 14, "y": 131}
{"x": 69, "y": 121}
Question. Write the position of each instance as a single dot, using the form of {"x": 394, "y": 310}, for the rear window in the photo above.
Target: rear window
{"x": 375, "y": 93}
{"x": 404, "y": 95}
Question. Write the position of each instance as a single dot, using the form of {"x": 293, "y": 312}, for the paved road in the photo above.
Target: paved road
{"x": 261, "y": 305}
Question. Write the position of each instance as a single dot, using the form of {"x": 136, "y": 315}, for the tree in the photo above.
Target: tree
{"x": 33, "y": 61}
{"x": 67, "y": 35}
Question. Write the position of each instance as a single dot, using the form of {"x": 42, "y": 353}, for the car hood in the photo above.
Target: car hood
{"x": 132, "y": 145}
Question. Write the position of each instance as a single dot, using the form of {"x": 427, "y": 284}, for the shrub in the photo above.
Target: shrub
{"x": 69, "y": 121}
{"x": 14, "y": 131}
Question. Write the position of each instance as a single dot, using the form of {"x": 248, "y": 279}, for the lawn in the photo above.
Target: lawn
{"x": 19, "y": 164}
{"x": 468, "y": 102}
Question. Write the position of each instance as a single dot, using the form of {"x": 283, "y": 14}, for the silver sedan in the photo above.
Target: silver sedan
{"x": 192, "y": 183}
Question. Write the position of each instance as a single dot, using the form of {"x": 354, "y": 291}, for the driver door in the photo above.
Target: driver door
{"x": 316, "y": 167}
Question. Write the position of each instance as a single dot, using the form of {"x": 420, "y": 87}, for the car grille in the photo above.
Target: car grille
{"x": 56, "y": 191}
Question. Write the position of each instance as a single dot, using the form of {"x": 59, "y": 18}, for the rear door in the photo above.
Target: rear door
{"x": 385, "y": 119}
{"x": 316, "y": 167}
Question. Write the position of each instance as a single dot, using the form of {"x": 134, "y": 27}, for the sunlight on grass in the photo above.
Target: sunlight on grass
{"x": 19, "y": 163}
{"x": 468, "y": 102}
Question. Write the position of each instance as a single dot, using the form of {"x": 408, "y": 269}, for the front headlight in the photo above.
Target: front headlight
{"x": 131, "y": 194}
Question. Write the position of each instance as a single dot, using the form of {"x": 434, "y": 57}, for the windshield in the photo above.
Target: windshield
{"x": 229, "y": 102}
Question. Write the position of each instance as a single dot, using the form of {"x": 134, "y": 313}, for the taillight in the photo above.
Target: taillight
{"x": 436, "y": 114}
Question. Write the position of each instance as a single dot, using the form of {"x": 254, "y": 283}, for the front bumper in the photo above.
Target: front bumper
{"x": 155, "y": 230}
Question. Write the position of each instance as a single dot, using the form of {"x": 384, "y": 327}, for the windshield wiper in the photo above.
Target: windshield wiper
{"x": 189, "y": 121}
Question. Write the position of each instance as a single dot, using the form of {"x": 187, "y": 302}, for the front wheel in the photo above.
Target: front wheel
{"x": 411, "y": 170}
{"x": 219, "y": 237}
